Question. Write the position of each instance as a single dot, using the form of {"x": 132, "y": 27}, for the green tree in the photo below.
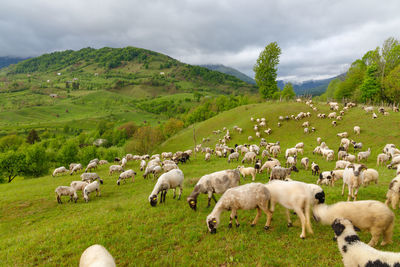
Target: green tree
{"x": 288, "y": 91}
{"x": 370, "y": 88}
{"x": 392, "y": 85}
{"x": 10, "y": 142}
{"x": 354, "y": 79}
{"x": 332, "y": 87}
{"x": 86, "y": 154}
{"x": 32, "y": 137}
{"x": 36, "y": 161}
{"x": 266, "y": 70}
{"x": 12, "y": 164}
{"x": 68, "y": 153}
{"x": 172, "y": 126}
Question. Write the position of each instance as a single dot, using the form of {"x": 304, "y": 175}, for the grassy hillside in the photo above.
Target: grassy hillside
{"x": 35, "y": 230}
{"x": 230, "y": 71}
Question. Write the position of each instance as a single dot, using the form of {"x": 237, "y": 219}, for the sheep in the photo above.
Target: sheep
{"x": 297, "y": 196}
{"x": 350, "y": 158}
{"x": 356, "y": 145}
{"x": 59, "y": 170}
{"x": 304, "y": 162}
{"x": 142, "y": 165}
{"x": 66, "y": 191}
{"x": 232, "y": 156}
{"x": 357, "y": 130}
{"x": 342, "y": 155}
{"x": 96, "y": 256}
{"x": 395, "y": 161}
{"x": 264, "y": 153}
{"x": 246, "y": 197}
{"x": 168, "y": 167}
{"x": 269, "y": 165}
{"x": 258, "y": 165}
{"x": 314, "y": 168}
{"x": 90, "y": 166}
{"x": 94, "y": 160}
{"x": 325, "y": 178}
{"x": 268, "y": 131}
{"x": 357, "y": 253}
{"x": 336, "y": 175}
{"x": 249, "y": 156}
{"x": 368, "y": 109}
{"x": 76, "y": 168}
{"x": 370, "y": 215}
{"x": 339, "y": 118}
{"x": 374, "y": 116}
{"x": 306, "y": 131}
{"x": 90, "y": 177}
{"x": 280, "y": 173}
{"x": 275, "y": 150}
{"x": 115, "y": 168}
{"x": 305, "y": 124}
{"x": 247, "y": 171}
{"x": 332, "y": 115}
{"x": 168, "y": 180}
{"x": 319, "y": 140}
{"x": 103, "y": 162}
{"x": 123, "y": 162}
{"x": 153, "y": 169}
{"x": 334, "y": 123}
{"x": 250, "y": 138}
{"x": 341, "y": 164}
{"x": 299, "y": 145}
{"x": 363, "y": 155}
{"x": 352, "y": 178}
{"x": 78, "y": 185}
{"x": 125, "y": 175}
{"x": 393, "y": 193}
{"x": 72, "y": 165}
{"x": 217, "y": 182}
{"x": 94, "y": 186}
{"x": 291, "y": 161}
{"x": 345, "y": 142}
{"x": 343, "y": 134}
{"x": 368, "y": 176}
{"x": 290, "y": 152}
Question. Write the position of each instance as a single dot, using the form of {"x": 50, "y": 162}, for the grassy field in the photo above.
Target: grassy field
{"x": 35, "y": 230}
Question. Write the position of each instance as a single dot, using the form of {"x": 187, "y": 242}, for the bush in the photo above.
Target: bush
{"x": 36, "y": 160}
{"x": 86, "y": 154}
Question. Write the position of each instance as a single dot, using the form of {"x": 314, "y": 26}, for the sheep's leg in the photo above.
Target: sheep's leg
{"x": 253, "y": 177}
{"x": 161, "y": 197}
{"x": 210, "y": 195}
{"x": 355, "y": 194}
{"x": 180, "y": 192}
{"x": 174, "y": 193}
{"x": 289, "y": 224}
{"x": 350, "y": 195}
{"x": 387, "y": 235}
{"x": 269, "y": 216}
{"x": 233, "y": 215}
{"x": 59, "y": 200}
{"x": 165, "y": 193}
{"x": 394, "y": 200}
{"x": 308, "y": 222}
{"x": 213, "y": 197}
{"x": 257, "y": 217}
{"x": 375, "y": 232}
{"x": 300, "y": 213}
{"x": 343, "y": 188}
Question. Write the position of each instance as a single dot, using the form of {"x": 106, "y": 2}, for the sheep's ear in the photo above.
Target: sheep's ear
{"x": 350, "y": 166}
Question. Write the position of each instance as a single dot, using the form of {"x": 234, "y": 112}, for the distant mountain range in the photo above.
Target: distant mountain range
{"x": 7, "y": 61}
{"x": 230, "y": 71}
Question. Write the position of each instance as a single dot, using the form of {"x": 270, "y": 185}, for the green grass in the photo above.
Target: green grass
{"x": 35, "y": 230}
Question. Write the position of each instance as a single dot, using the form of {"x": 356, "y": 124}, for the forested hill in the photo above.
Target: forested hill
{"x": 7, "y": 61}
{"x": 230, "y": 71}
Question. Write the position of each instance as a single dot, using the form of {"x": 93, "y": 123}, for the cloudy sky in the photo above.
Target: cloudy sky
{"x": 318, "y": 38}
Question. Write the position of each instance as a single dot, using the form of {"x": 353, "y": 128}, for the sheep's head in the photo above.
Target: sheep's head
{"x": 212, "y": 224}
{"x": 293, "y": 168}
{"x": 192, "y": 203}
{"x": 153, "y": 200}
{"x": 320, "y": 196}
{"x": 341, "y": 225}
{"x": 101, "y": 181}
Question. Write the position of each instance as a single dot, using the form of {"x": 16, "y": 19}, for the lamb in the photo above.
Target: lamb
{"x": 103, "y": 162}
{"x": 66, "y": 191}
{"x": 249, "y": 156}
{"x": 247, "y": 171}
{"x": 94, "y": 160}
{"x": 270, "y": 164}
{"x": 125, "y": 175}
{"x": 393, "y": 193}
{"x": 257, "y": 166}
{"x": 343, "y": 134}
{"x": 264, "y": 153}
{"x": 96, "y": 256}
{"x": 368, "y": 176}
{"x": 76, "y": 168}
{"x": 275, "y": 150}
{"x": 304, "y": 162}
{"x": 94, "y": 186}
{"x": 279, "y": 173}
{"x": 374, "y": 116}
{"x": 306, "y": 131}
{"x": 341, "y": 164}
{"x": 207, "y": 157}
{"x": 123, "y": 162}
{"x": 153, "y": 169}
{"x": 246, "y": 197}
{"x": 368, "y": 109}
{"x": 357, "y": 253}
{"x": 168, "y": 180}
{"x": 319, "y": 140}
{"x": 332, "y": 115}
{"x": 290, "y": 152}
{"x": 297, "y": 196}
{"x": 78, "y": 185}
{"x": 363, "y": 155}
{"x": 314, "y": 168}
{"x": 299, "y": 145}
{"x": 90, "y": 177}
{"x": 90, "y": 166}
{"x": 350, "y": 158}
{"x": 352, "y": 177}
{"x": 59, "y": 170}
{"x": 115, "y": 168}
{"x": 356, "y": 145}
{"x": 142, "y": 165}
{"x": 341, "y": 155}
{"x": 334, "y": 123}
{"x": 370, "y": 215}
{"x": 217, "y": 182}
{"x": 291, "y": 161}
{"x": 357, "y": 130}
{"x": 325, "y": 178}
{"x": 72, "y": 165}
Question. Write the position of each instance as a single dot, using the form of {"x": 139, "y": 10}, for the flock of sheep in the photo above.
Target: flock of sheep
{"x": 305, "y": 199}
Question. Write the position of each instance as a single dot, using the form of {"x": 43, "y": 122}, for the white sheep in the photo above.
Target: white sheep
{"x": 72, "y": 165}
{"x": 247, "y": 171}
{"x": 90, "y": 177}
{"x": 207, "y": 157}
{"x": 94, "y": 186}
{"x": 123, "y": 162}
{"x": 368, "y": 176}
{"x": 269, "y": 164}
{"x": 306, "y": 130}
{"x": 290, "y": 152}
{"x": 343, "y": 135}
{"x": 381, "y": 159}
{"x": 245, "y": 197}
{"x": 217, "y": 182}
{"x": 232, "y": 156}
{"x": 352, "y": 178}
{"x": 280, "y": 173}
{"x": 363, "y": 155}
{"x": 125, "y": 175}
{"x": 59, "y": 170}
{"x": 370, "y": 215}
{"x": 115, "y": 168}
{"x": 143, "y": 164}
{"x": 291, "y": 161}
{"x": 350, "y": 158}
{"x": 304, "y": 162}
{"x": 66, "y": 191}
{"x": 341, "y": 155}
{"x": 357, "y": 130}
{"x": 103, "y": 162}
{"x": 325, "y": 178}
{"x": 78, "y": 185}
{"x": 168, "y": 180}
{"x": 249, "y": 157}
{"x": 357, "y": 253}
{"x": 153, "y": 169}
{"x": 341, "y": 164}
{"x": 297, "y": 196}
{"x": 96, "y": 256}
{"x": 90, "y": 166}
{"x": 336, "y": 176}
{"x": 393, "y": 193}
{"x": 314, "y": 168}
{"x": 76, "y": 168}
{"x": 319, "y": 140}
{"x": 168, "y": 167}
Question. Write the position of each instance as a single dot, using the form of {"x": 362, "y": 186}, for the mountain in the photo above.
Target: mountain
{"x": 311, "y": 87}
{"x": 7, "y": 61}
{"x": 230, "y": 71}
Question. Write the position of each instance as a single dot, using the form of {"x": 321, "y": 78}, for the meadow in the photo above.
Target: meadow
{"x": 35, "y": 230}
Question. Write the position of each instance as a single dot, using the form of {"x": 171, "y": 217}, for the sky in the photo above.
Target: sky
{"x": 318, "y": 38}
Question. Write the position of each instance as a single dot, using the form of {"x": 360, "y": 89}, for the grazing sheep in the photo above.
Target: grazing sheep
{"x": 357, "y": 130}
{"x": 103, "y": 162}
{"x": 153, "y": 169}
{"x": 217, "y": 182}
{"x": 374, "y": 116}
{"x": 280, "y": 173}
{"x": 95, "y": 160}
{"x": 304, "y": 162}
{"x": 124, "y": 161}
{"x": 393, "y": 193}
{"x": 168, "y": 167}
{"x": 325, "y": 178}
{"x": 249, "y": 157}
{"x": 270, "y": 164}
{"x": 314, "y": 168}
{"x": 90, "y": 177}
{"x": 290, "y": 152}
{"x": 356, "y": 145}
{"x": 368, "y": 109}
{"x": 352, "y": 178}
{"x": 125, "y": 175}
{"x": 368, "y": 176}
{"x": 341, "y": 155}
{"x": 90, "y": 166}
{"x": 207, "y": 157}
{"x": 264, "y": 154}
{"x": 247, "y": 171}
{"x": 78, "y": 185}
{"x": 232, "y": 156}
{"x": 341, "y": 164}
{"x": 142, "y": 165}
{"x": 370, "y": 215}
{"x": 257, "y": 166}
{"x": 76, "y": 168}
{"x": 245, "y": 197}
{"x": 334, "y": 123}
{"x": 275, "y": 150}
{"x": 268, "y": 131}
{"x": 306, "y": 131}
{"x": 168, "y": 180}
{"x": 332, "y": 115}
{"x": 66, "y": 191}
{"x": 343, "y": 135}
{"x": 250, "y": 138}
{"x": 363, "y": 155}
{"x": 350, "y": 158}
{"x": 336, "y": 175}
{"x": 357, "y": 253}
{"x": 306, "y": 124}
{"x": 115, "y": 168}
{"x": 94, "y": 186}
{"x": 72, "y": 165}
{"x": 96, "y": 256}
{"x": 299, "y": 145}
{"x": 297, "y": 196}
{"x": 59, "y": 170}
{"x": 395, "y": 161}
{"x": 319, "y": 140}
{"x": 291, "y": 161}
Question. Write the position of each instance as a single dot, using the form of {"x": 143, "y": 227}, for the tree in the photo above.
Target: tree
{"x": 266, "y": 70}
{"x": 10, "y": 142}
{"x": 36, "y": 161}
{"x": 68, "y": 153}
{"x": 288, "y": 91}
{"x": 354, "y": 78}
{"x": 12, "y": 164}
{"x": 172, "y": 126}
{"x": 32, "y": 137}
{"x": 392, "y": 85}
{"x": 370, "y": 88}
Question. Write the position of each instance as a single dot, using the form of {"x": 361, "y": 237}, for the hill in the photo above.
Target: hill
{"x": 230, "y": 71}
{"x": 35, "y": 229}
{"x": 7, "y": 61}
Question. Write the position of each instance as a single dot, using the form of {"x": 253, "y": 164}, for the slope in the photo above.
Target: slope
{"x": 230, "y": 71}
